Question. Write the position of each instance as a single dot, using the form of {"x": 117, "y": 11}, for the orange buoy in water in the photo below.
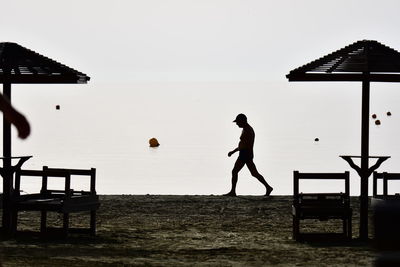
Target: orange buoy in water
{"x": 153, "y": 142}
{"x": 378, "y": 122}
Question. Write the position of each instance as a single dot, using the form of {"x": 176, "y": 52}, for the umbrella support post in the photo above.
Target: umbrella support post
{"x": 364, "y": 160}
{"x": 7, "y": 178}
{"x": 8, "y": 173}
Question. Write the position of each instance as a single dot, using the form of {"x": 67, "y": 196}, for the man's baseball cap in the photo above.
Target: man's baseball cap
{"x": 240, "y": 117}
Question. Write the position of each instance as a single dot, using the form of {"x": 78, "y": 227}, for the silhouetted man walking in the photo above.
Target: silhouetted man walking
{"x": 245, "y": 149}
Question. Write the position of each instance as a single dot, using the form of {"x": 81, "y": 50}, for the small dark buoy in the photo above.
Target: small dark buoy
{"x": 374, "y": 116}
{"x": 378, "y": 122}
{"x": 389, "y": 113}
{"x": 154, "y": 142}
{"x": 58, "y": 107}
{"x": 316, "y": 139}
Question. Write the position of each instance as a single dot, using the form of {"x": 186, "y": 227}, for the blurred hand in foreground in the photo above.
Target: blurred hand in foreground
{"x": 14, "y": 117}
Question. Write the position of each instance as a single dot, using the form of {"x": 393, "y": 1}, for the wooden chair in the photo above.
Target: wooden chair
{"x": 379, "y": 198}
{"x": 322, "y": 206}
{"x": 64, "y": 201}
{"x": 386, "y": 217}
{"x": 386, "y": 177}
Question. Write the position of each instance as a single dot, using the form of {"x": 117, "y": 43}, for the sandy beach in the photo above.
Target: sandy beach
{"x": 168, "y": 230}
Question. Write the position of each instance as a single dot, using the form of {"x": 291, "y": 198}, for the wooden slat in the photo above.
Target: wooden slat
{"x": 376, "y": 175}
{"x": 337, "y": 176}
{"x": 350, "y": 77}
{"x": 16, "y": 70}
{"x": 370, "y": 157}
{"x": 391, "y": 176}
{"x": 73, "y": 171}
{"x": 37, "y": 173}
{"x": 32, "y": 70}
{"x": 56, "y": 172}
{"x": 40, "y": 79}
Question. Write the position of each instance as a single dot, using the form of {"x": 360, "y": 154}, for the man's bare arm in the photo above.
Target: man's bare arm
{"x": 233, "y": 151}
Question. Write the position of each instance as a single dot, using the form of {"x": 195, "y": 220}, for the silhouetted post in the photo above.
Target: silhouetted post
{"x": 7, "y": 176}
{"x": 364, "y": 160}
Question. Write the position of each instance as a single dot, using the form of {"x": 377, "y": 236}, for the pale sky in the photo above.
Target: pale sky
{"x": 188, "y": 40}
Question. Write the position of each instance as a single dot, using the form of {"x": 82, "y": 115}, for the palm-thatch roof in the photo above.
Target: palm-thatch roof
{"x": 362, "y": 60}
{"x": 21, "y": 65}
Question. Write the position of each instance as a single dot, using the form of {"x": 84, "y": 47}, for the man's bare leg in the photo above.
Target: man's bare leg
{"x": 236, "y": 169}
{"x": 253, "y": 170}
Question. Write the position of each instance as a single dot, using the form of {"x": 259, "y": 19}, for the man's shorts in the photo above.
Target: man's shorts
{"x": 245, "y": 155}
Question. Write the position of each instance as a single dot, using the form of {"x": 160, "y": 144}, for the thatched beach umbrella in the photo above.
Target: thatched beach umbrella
{"x": 363, "y": 61}
{"x": 23, "y": 66}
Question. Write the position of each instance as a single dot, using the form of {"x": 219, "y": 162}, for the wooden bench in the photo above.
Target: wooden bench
{"x": 64, "y": 201}
{"x": 321, "y": 206}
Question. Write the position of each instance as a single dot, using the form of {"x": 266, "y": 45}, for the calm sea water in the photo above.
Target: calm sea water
{"x": 107, "y": 126}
